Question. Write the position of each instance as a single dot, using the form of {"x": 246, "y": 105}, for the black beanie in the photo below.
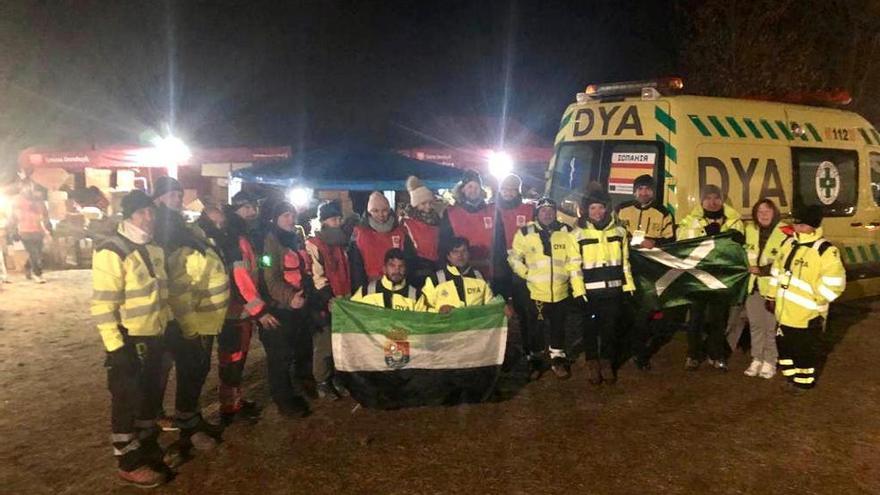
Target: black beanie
{"x": 166, "y": 184}
{"x": 242, "y": 198}
{"x": 644, "y": 180}
{"x": 597, "y": 196}
{"x": 281, "y": 208}
{"x": 809, "y": 215}
{"x": 329, "y": 209}
{"x": 134, "y": 201}
{"x": 471, "y": 175}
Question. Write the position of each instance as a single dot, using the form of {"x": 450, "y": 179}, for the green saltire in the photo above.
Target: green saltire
{"x": 354, "y": 317}
{"x": 727, "y": 263}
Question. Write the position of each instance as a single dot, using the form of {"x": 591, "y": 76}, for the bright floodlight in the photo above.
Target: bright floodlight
{"x": 171, "y": 150}
{"x": 500, "y": 164}
{"x": 300, "y": 197}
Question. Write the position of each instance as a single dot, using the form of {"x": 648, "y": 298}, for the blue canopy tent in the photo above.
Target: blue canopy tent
{"x": 347, "y": 169}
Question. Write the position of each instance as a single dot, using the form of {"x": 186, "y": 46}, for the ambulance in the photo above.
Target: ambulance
{"x": 794, "y": 154}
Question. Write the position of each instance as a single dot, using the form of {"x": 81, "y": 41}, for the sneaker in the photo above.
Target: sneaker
{"x": 720, "y": 365}
{"x": 754, "y": 368}
{"x": 38, "y": 279}
{"x": 340, "y": 388}
{"x": 166, "y": 423}
{"x": 768, "y": 370}
{"x": 326, "y": 390}
{"x": 691, "y": 364}
{"x": 144, "y": 477}
{"x": 559, "y": 366}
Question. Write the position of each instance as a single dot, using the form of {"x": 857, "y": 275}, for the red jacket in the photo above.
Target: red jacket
{"x": 373, "y": 245}
{"x": 332, "y": 263}
{"x": 424, "y": 237}
{"x": 479, "y": 229}
{"x": 246, "y": 301}
{"x": 515, "y": 219}
{"x": 30, "y": 215}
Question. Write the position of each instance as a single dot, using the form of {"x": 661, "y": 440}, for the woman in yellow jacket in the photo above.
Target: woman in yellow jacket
{"x": 600, "y": 276}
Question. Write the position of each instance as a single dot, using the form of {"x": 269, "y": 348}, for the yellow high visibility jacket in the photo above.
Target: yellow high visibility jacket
{"x": 599, "y": 260}
{"x": 765, "y": 257}
{"x": 694, "y": 225}
{"x": 542, "y": 261}
{"x": 129, "y": 290}
{"x": 806, "y": 276}
{"x": 199, "y": 290}
{"x": 449, "y": 287}
{"x": 654, "y": 222}
{"x": 383, "y": 293}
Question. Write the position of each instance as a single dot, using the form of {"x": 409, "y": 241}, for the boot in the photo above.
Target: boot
{"x": 143, "y": 477}
{"x": 593, "y": 372}
{"x": 607, "y": 372}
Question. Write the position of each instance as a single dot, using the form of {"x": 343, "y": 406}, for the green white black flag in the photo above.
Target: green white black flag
{"x": 705, "y": 268}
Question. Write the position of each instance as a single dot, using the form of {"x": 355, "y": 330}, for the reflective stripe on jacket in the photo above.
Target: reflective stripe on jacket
{"x": 449, "y": 287}
{"x": 543, "y": 265}
{"x": 806, "y": 276}
{"x": 246, "y": 301}
{"x": 599, "y": 260}
{"x": 385, "y": 294}
{"x": 198, "y": 290}
{"x": 654, "y": 221}
{"x": 129, "y": 290}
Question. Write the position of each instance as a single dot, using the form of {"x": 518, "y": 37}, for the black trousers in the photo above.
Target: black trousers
{"x": 192, "y": 360}
{"x": 283, "y": 353}
{"x": 645, "y": 330}
{"x": 800, "y": 352}
{"x": 135, "y": 397}
{"x": 599, "y": 324}
{"x": 546, "y": 318}
{"x": 706, "y": 326}
{"x": 33, "y": 244}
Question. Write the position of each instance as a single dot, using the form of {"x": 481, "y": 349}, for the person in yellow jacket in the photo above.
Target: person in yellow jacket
{"x": 600, "y": 276}
{"x": 392, "y": 290}
{"x": 130, "y": 307}
{"x": 765, "y": 236}
{"x": 458, "y": 284}
{"x": 539, "y": 255}
{"x": 806, "y": 277}
{"x": 712, "y": 217}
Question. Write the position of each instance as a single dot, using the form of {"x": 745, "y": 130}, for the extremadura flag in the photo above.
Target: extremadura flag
{"x": 712, "y": 268}
{"x": 391, "y": 359}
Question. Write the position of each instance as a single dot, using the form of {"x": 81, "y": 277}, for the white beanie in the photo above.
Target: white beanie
{"x": 377, "y": 199}
{"x": 418, "y": 193}
{"x": 512, "y": 181}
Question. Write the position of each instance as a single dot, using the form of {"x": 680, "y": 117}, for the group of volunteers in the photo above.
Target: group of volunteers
{"x": 165, "y": 290}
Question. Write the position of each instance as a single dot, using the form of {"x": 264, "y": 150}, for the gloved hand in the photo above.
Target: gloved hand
{"x": 770, "y": 305}
{"x": 124, "y": 359}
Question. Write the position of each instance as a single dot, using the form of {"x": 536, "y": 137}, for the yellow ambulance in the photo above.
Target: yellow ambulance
{"x": 791, "y": 153}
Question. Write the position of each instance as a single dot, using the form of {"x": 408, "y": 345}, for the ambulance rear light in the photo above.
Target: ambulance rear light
{"x": 649, "y": 89}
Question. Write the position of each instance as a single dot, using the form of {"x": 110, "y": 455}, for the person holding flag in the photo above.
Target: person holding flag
{"x": 540, "y": 256}
{"x": 392, "y": 291}
{"x": 806, "y": 277}
{"x": 649, "y": 225}
{"x": 765, "y": 236}
{"x": 458, "y": 284}
{"x": 707, "y": 317}
{"x": 600, "y": 276}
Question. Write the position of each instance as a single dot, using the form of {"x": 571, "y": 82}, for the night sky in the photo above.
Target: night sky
{"x": 228, "y": 73}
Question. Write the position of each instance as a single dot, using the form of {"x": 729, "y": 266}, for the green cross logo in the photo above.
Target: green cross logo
{"x": 827, "y": 183}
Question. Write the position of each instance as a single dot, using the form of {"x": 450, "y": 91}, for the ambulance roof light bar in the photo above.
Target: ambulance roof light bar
{"x": 650, "y": 89}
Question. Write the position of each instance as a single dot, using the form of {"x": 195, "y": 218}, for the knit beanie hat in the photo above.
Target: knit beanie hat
{"x": 418, "y": 193}
{"x": 512, "y": 181}
{"x": 809, "y": 215}
{"x": 166, "y": 184}
{"x": 710, "y": 189}
{"x": 243, "y": 198}
{"x": 329, "y": 209}
{"x": 134, "y": 201}
{"x": 596, "y": 194}
{"x": 281, "y": 208}
{"x": 644, "y": 180}
{"x": 376, "y": 200}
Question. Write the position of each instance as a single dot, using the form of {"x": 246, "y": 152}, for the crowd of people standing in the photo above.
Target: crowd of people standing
{"x": 165, "y": 291}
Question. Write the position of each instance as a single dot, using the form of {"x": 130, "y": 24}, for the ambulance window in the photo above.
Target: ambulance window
{"x": 828, "y": 178}
{"x": 875, "y": 177}
{"x": 576, "y": 165}
{"x": 623, "y": 162}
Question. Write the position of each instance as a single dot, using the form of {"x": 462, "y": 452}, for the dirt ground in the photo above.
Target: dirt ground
{"x": 669, "y": 431}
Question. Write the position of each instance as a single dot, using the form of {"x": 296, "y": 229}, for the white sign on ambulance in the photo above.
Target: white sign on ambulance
{"x": 625, "y": 167}
{"x": 827, "y": 183}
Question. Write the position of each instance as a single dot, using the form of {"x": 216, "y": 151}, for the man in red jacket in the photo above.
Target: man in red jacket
{"x": 30, "y": 225}
{"x": 473, "y": 219}
{"x": 246, "y": 310}
{"x": 379, "y": 232}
